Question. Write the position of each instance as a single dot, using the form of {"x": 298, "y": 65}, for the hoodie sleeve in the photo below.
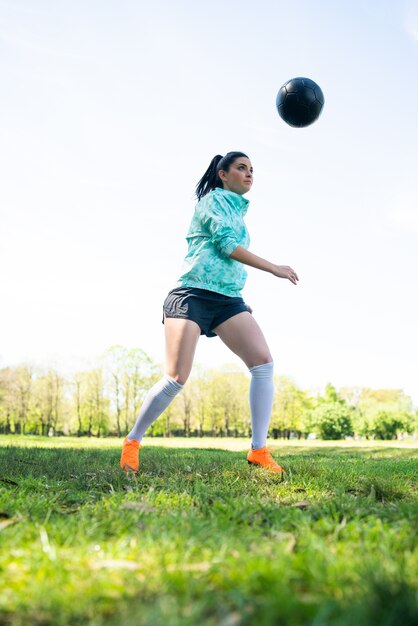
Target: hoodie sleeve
{"x": 216, "y": 219}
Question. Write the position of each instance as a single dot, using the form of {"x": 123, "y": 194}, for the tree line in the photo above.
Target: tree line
{"x": 105, "y": 400}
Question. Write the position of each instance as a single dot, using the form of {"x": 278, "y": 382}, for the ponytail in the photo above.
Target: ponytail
{"x": 210, "y": 179}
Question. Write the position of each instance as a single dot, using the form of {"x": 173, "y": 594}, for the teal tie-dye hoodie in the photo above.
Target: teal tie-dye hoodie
{"x": 216, "y": 229}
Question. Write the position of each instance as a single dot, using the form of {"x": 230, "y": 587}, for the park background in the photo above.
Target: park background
{"x": 110, "y": 113}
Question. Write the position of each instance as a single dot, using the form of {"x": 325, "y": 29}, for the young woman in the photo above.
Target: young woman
{"x": 207, "y": 301}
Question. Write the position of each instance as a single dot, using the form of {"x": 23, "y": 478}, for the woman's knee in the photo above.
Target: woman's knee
{"x": 179, "y": 368}
{"x": 179, "y": 371}
{"x": 179, "y": 377}
{"x": 262, "y": 359}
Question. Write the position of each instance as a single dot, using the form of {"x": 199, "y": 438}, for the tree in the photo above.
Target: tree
{"x": 227, "y": 401}
{"x": 388, "y": 424}
{"x": 332, "y": 420}
{"x": 95, "y": 403}
{"x": 48, "y": 402}
{"x": 7, "y": 402}
{"x": 368, "y": 403}
{"x": 21, "y": 390}
{"x": 214, "y": 403}
{"x": 78, "y": 385}
{"x": 233, "y": 387}
{"x": 290, "y": 407}
{"x": 129, "y": 373}
{"x": 186, "y": 405}
{"x": 113, "y": 361}
{"x": 200, "y": 385}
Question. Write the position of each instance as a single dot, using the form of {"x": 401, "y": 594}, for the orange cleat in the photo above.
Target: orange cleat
{"x": 129, "y": 460}
{"x": 263, "y": 457}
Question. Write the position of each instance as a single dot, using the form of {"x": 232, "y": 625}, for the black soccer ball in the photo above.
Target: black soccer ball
{"x": 300, "y": 102}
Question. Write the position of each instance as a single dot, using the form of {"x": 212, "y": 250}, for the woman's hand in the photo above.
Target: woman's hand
{"x": 249, "y": 309}
{"x": 284, "y": 271}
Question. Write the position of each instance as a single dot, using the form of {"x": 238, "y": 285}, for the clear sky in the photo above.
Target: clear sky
{"x": 110, "y": 112}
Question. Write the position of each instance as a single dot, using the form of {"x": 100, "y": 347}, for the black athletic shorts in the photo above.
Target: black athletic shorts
{"x": 206, "y": 308}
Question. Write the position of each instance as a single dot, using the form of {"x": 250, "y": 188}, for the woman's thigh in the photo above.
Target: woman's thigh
{"x": 244, "y": 337}
{"x": 181, "y": 337}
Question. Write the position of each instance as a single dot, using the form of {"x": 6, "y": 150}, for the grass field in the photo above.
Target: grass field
{"x": 201, "y": 538}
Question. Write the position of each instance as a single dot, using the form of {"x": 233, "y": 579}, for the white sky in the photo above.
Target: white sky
{"x": 110, "y": 112}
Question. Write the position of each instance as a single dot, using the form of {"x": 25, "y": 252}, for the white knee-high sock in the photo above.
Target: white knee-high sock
{"x": 261, "y": 402}
{"x": 156, "y": 401}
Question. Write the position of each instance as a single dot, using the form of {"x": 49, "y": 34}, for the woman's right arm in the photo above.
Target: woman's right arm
{"x": 248, "y": 258}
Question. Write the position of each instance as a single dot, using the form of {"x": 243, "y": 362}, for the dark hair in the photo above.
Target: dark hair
{"x": 210, "y": 179}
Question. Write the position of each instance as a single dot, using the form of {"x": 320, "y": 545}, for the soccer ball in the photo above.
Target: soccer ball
{"x": 300, "y": 102}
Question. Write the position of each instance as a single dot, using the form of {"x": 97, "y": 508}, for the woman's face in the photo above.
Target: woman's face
{"x": 239, "y": 177}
